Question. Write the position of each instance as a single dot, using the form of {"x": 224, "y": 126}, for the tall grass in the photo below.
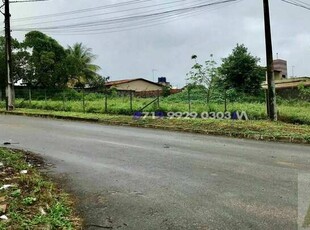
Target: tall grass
{"x": 292, "y": 112}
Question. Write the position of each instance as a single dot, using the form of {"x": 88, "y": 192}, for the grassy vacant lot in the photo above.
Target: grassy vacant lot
{"x": 33, "y": 202}
{"x": 294, "y": 116}
{"x": 291, "y": 112}
{"x": 260, "y": 130}
{"x": 73, "y": 101}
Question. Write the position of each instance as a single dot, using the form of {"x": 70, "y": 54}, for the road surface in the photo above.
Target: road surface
{"x": 130, "y": 178}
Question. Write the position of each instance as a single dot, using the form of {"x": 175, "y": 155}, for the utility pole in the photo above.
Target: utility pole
{"x": 8, "y": 54}
{"x": 271, "y": 92}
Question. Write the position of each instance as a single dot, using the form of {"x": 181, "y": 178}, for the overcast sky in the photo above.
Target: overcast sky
{"x": 168, "y": 47}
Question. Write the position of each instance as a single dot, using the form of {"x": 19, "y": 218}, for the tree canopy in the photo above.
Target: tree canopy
{"x": 41, "y": 61}
{"x": 241, "y": 71}
{"x": 80, "y": 62}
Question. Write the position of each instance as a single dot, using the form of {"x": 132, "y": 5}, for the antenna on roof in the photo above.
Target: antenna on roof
{"x": 153, "y": 71}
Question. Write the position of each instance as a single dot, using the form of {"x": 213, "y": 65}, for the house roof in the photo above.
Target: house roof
{"x": 290, "y": 83}
{"x": 119, "y": 82}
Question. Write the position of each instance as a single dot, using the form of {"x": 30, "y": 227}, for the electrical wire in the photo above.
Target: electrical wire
{"x": 128, "y": 28}
{"x": 298, "y": 3}
{"x": 98, "y": 24}
{"x": 87, "y": 10}
{"x": 23, "y": 1}
{"x": 113, "y": 12}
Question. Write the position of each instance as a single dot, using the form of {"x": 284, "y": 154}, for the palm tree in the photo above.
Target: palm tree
{"x": 83, "y": 70}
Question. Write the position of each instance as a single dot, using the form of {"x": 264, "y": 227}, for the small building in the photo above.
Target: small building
{"x": 280, "y": 69}
{"x": 136, "y": 85}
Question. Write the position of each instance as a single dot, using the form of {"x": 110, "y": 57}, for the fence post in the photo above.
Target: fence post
{"x": 106, "y": 103}
{"x": 45, "y": 98}
{"x": 158, "y": 99}
{"x": 131, "y": 99}
{"x": 83, "y": 100}
{"x": 64, "y": 100}
{"x": 225, "y": 101}
{"x": 189, "y": 101}
{"x": 29, "y": 95}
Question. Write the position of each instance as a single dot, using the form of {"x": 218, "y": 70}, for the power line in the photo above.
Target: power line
{"x": 135, "y": 26}
{"x": 86, "y": 10}
{"x": 23, "y": 1}
{"x": 298, "y": 3}
{"x": 98, "y": 24}
{"x": 124, "y": 27}
{"x": 115, "y": 12}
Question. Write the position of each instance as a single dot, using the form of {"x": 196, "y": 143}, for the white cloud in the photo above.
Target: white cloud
{"x": 168, "y": 47}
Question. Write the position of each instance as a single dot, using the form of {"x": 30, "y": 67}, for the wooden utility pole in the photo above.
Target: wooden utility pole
{"x": 8, "y": 54}
{"x": 271, "y": 92}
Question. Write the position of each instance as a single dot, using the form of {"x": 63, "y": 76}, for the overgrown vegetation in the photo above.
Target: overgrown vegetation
{"x": 32, "y": 201}
{"x": 296, "y": 112}
{"x": 307, "y": 220}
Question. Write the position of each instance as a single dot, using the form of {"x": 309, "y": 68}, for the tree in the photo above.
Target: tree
{"x": 41, "y": 61}
{"x": 80, "y": 61}
{"x": 240, "y": 71}
{"x": 98, "y": 83}
{"x": 203, "y": 75}
{"x": 46, "y": 60}
{"x": 166, "y": 91}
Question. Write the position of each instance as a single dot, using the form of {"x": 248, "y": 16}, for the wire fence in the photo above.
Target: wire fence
{"x": 111, "y": 101}
{"x": 129, "y": 102}
{"x": 85, "y": 100}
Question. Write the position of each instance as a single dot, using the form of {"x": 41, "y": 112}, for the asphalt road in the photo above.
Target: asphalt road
{"x": 129, "y": 178}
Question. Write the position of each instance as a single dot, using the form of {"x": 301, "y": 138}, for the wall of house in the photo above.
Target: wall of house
{"x": 138, "y": 86}
{"x": 155, "y": 93}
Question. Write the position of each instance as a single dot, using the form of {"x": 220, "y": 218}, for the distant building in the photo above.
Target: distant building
{"x": 280, "y": 69}
{"x": 289, "y": 88}
{"x": 136, "y": 85}
{"x": 163, "y": 81}
{"x": 141, "y": 87}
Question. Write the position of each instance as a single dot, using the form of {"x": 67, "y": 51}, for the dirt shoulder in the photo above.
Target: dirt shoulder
{"x": 28, "y": 198}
